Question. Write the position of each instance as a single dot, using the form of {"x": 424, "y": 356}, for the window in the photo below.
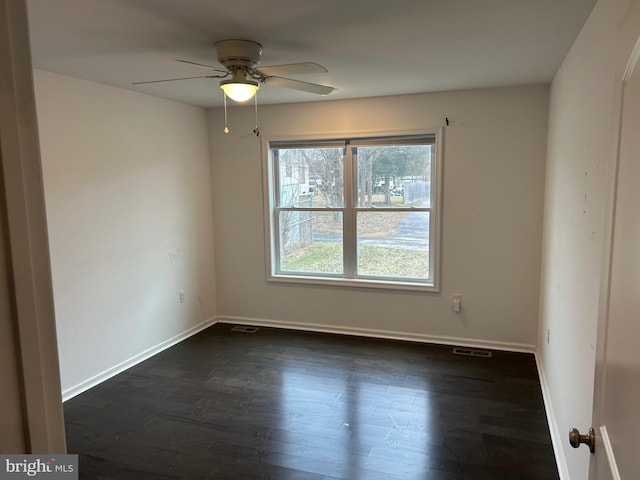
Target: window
{"x": 357, "y": 211}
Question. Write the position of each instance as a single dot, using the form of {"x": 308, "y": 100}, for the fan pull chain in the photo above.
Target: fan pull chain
{"x": 255, "y": 102}
{"x": 226, "y": 128}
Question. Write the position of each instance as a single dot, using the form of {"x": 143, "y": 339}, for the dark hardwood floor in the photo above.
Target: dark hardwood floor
{"x": 280, "y": 404}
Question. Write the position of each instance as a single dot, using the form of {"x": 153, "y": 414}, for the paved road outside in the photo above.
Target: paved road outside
{"x": 412, "y": 234}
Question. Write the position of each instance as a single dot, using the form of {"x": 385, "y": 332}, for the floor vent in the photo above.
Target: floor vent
{"x": 244, "y": 329}
{"x": 471, "y": 352}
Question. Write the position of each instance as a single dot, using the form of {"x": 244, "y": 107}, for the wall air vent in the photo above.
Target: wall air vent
{"x": 471, "y": 352}
{"x": 244, "y": 329}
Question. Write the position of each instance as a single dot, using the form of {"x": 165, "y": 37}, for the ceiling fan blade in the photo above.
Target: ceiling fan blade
{"x": 298, "y": 85}
{"x": 174, "y": 79}
{"x": 291, "y": 69}
{"x": 217, "y": 69}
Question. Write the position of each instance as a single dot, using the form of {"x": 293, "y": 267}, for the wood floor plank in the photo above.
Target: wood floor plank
{"x": 281, "y": 404}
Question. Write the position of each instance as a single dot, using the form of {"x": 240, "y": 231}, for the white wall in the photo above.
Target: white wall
{"x": 494, "y": 155}
{"x": 579, "y": 165}
{"x": 128, "y": 194}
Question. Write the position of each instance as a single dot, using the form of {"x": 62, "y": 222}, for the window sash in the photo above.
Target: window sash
{"x": 419, "y": 139}
{"x": 350, "y": 210}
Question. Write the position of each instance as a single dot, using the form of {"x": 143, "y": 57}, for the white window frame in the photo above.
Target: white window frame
{"x": 271, "y": 211}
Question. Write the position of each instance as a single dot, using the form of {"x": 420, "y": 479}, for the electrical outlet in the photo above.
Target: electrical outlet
{"x": 181, "y": 296}
{"x": 548, "y": 335}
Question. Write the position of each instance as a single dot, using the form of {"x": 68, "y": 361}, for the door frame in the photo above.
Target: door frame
{"x": 26, "y": 244}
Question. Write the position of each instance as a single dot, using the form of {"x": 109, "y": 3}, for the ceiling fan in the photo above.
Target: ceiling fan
{"x": 240, "y": 59}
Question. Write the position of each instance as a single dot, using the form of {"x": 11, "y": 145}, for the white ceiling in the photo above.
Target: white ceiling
{"x": 370, "y": 47}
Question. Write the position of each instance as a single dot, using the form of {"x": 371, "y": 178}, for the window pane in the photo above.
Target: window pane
{"x": 394, "y": 175}
{"x": 310, "y": 177}
{"x": 393, "y": 244}
{"x": 311, "y": 242}
{"x": 389, "y": 185}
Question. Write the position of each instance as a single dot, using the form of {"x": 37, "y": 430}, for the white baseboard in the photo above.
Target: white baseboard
{"x": 611, "y": 458}
{"x": 387, "y": 334}
{"x": 262, "y": 322}
{"x": 557, "y": 439}
{"x": 122, "y": 366}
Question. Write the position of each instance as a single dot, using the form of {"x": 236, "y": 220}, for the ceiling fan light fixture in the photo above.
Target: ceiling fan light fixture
{"x": 240, "y": 91}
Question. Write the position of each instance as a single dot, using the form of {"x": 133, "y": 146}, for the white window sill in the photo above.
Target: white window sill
{"x": 385, "y": 284}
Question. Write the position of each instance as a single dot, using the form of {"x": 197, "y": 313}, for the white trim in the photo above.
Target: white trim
{"x": 611, "y": 458}
{"x": 136, "y": 359}
{"x": 435, "y": 215}
{"x": 360, "y": 282}
{"x": 28, "y": 268}
{"x": 631, "y": 64}
{"x": 556, "y": 436}
{"x": 270, "y": 218}
{"x": 385, "y": 334}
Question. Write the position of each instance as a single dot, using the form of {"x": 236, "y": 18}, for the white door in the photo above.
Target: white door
{"x": 617, "y": 397}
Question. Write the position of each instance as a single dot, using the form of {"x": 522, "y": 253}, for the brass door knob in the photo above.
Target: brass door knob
{"x": 575, "y": 439}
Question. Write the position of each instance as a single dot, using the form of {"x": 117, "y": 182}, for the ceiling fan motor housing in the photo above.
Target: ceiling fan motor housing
{"x": 238, "y": 53}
